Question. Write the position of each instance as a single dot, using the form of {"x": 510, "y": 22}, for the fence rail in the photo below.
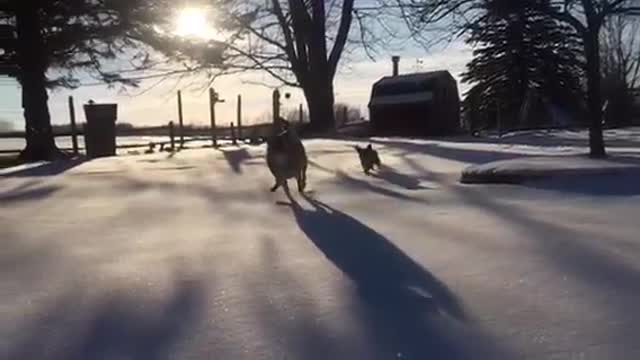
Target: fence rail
{"x": 180, "y": 134}
{"x": 227, "y": 133}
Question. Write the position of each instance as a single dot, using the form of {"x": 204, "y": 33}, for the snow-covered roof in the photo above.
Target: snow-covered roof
{"x": 407, "y": 89}
{"x": 421, "y": 77}
{"x": 402, "y": 99}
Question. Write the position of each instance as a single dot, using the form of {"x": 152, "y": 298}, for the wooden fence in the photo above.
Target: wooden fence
{"x": 178, "y": 135}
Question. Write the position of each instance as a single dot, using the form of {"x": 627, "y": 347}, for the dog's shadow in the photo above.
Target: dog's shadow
{"x": 392, "y": 176}
{"x": 382, "y": 272}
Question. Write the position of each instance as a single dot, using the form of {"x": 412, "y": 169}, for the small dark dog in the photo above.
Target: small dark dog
{"x": 368, "y": 158}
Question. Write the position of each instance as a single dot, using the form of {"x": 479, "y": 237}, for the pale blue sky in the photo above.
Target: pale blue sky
{"x": 158, "y": 105}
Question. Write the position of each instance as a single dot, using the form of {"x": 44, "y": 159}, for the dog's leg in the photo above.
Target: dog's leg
{"x": 276, "y": 186}
{"x": 301, "y": 182}
{"x": 302, "y": 179}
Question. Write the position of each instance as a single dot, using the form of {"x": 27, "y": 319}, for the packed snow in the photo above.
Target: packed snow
{"x": 189, "y": 256}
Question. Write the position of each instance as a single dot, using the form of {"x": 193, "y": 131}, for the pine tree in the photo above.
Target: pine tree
{"x": 517, "y": 50}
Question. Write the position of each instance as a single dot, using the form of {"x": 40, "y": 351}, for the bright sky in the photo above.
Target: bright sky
{"x": 158, "y": 105}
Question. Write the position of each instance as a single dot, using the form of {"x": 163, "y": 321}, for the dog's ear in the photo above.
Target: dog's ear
{"x": 369, "y": 147}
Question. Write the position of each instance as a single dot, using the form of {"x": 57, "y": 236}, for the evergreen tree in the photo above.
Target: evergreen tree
{"x": 518, "y": 50}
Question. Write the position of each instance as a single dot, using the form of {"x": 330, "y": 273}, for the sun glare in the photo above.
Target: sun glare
{"x": 191, "y": 22}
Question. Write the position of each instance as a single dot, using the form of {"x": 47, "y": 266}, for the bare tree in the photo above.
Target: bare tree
{"x": 620, "y": 54}
{"x": 299, "y": 43}
{"x": 586, "y": 17}
{"x": 620, "y": 50}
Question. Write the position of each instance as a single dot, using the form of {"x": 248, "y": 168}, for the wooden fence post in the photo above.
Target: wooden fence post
{"x": 276, "y": 105}
{"x": 300, "y": 114}
{"x": 345, "y": 112}
{"x": 214, "y": 98}
{"x": 172, "y": 136}
{"x": 499, "y": 119}
{"x": 180, "y": 119}
{"x": 212, "y": 114}
{"x": 233, "y": 134}
{"x": 239, "y": 117}
{"x": 74, "y": 129}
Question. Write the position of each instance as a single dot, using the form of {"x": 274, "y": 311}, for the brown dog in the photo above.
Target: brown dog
{"x": 286, "y": 156}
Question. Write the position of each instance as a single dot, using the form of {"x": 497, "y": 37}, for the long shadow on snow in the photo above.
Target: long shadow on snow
{"x": 46, "y": 168}
{"x": 409, "y": 310}
{"x": 28, "y": 194}
{"x": 236, "y": 157}
{"x": 117, "y": 327}
{"x": 363, "y": 185}
{"x": 392, "y": 176}
{"x": 549, "y": 138}
{"x": 473, "y": 156}
{"x": 623, "y": 183}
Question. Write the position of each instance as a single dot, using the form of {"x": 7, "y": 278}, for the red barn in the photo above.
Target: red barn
{"x": 420, "y": 104}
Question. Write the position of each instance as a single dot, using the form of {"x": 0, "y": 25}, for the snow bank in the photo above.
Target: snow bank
{"x": 527, "y": 168}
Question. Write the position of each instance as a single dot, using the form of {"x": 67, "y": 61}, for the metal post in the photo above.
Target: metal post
{"x": 172, "y": 136}
{"x": 395, "y": 59}
{"x": 74, "y": 129}
{"x": 239, "y": 117}
{"x": 180, "y": 119}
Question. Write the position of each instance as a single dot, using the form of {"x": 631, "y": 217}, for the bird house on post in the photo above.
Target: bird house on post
{"x": 214, "y": 98}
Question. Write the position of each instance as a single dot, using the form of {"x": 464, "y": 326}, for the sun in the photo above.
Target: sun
{"x": 191, "y": 22}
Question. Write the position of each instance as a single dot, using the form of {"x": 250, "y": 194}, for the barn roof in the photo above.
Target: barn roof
{"x": 420, "y": 78}
{"x": 407, "y": 89}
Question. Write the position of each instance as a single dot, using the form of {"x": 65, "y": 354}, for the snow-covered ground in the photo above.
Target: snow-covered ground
{"x": 538, "y": 167}
{"x": 190, "y": 257}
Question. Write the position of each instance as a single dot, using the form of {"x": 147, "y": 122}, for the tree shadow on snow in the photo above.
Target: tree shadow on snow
{"x": 472, "y": 156}
{"x": 115, "y": 327}
{"x": 390, "y": 175}
{"x": 27, "y": 193}
{"x": 236, "y": 157}
{"x": 45, "y": 168}
{"x": 401, "y": 299}
{"x": 623, "y": 183}
{"x": 358, "y": 184}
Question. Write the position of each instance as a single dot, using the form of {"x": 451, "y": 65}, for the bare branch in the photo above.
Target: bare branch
{"x": 343, "y": 32}
{"x": 295, "y": 61}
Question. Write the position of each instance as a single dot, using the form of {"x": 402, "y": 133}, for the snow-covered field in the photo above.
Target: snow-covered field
{"x": 190, "y": 257}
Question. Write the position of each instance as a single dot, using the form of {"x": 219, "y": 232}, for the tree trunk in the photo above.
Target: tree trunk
{"x": 33, "y": 66}
{"x": 320, "y": 101}
{"x": 594, "y": 93}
